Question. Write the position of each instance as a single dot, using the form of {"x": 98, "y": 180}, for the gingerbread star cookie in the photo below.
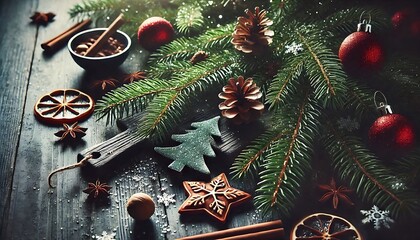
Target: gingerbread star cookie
{"x": 215, "y": 198}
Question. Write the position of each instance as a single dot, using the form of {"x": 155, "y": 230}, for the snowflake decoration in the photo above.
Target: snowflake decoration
{"x": 294, "y": 48}
{"x": 105, "y": 236}
{"x": 378, "y": 217}
{"x": 166, "y": 199}
{"x": 348, "y": 124}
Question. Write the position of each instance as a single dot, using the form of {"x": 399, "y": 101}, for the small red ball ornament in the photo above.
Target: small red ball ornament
{"x": 406, "y": 24}
{"x": 401, "y": 19}
{"x": 361, "y": 51}
{"x": 391, "y": 131}
{"x": 155, "y": 32}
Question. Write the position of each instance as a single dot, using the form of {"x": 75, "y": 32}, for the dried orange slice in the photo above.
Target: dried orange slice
{"x": 64, "y": 106}
{"x": 324, "y": 226}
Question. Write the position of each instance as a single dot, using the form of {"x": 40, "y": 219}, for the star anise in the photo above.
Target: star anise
{"x": 105, "y": 85}
{"x": 97, "y": 189}
{"x": 133, "y": 77}
{"x": 42, "y": 18}
{"x": 335, "y": 193}
{"x": 74, "y": 131}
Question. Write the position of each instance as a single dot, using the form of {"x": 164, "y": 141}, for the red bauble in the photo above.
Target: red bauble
{"x": 155, "y": 32}
{"x": 361, "y": 51}
{"x": 401, "y": 19}
{"x": 392, "y": 132}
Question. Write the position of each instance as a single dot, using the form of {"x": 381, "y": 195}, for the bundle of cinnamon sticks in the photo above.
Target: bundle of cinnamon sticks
{"x": 268, "y": 231}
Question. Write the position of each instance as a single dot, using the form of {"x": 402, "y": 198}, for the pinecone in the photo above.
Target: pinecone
{"x": 199, "y": 57}
{"x": 241, "y": 103}
{"x": 251, "y": 34}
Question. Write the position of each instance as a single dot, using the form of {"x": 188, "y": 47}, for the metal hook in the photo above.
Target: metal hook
{"x": 383, "y": 107}
{"x": 364, "y": 23}
{"x": 361, "y": 17}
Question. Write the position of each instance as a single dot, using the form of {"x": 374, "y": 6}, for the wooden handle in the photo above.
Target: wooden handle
{"x": 106, "y": 151}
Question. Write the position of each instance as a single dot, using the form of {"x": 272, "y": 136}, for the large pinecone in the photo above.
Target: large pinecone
{"x": 241, "y": 103}
{"x": 251, "y": 34}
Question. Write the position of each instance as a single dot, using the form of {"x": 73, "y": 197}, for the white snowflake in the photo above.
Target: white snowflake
{"x": 348, "y": 124}
{"x": 378, "y": 217}
{"x": 105, "y": 236}
{"x": 294, "y": 48}
{"x": 166, "y": 199}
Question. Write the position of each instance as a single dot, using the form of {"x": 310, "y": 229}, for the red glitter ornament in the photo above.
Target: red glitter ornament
{"x": 155, "y": 32}
{"x": 361, "y": 51}
{"x": 406, "y": 24}
{"x": 391, "y": 131}
{"x": 401, "y": 19}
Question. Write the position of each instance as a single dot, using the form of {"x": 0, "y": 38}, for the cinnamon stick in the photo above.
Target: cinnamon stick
{"x": 273, "y": 234}
{"x": 92, "y": 50}
{"x": 63, "y": 37}
{"x": 255, "y": 228}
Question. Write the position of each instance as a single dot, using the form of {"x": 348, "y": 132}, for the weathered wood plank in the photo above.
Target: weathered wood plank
{"x": 16, "y": 46}
{"x": 41, "y": 213}
{"x": 65, "y": 212}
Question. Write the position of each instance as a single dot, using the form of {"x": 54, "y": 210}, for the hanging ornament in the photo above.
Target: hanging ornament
{"x": 401, "y": 19}
{"x": 155, "y": 32}
{"x": 361, "y": 51}
{"x": 406, "y": 24}
{"x": 391, "y": 131}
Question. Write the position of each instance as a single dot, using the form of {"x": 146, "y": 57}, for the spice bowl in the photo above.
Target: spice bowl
{"x": 113, "y": 54}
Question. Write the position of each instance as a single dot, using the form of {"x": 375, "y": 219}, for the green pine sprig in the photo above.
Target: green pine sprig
{"x": 165, "y": 112}
{"x": 367, "y": 175}
{"x": 189, "y": 19}
{"x": 286, "y": 163}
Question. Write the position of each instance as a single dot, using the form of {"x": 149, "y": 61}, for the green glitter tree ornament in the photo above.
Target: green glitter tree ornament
{"x": 194, "y": 145}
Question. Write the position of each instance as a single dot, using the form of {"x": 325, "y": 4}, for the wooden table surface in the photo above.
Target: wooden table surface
{"x": 29, "y": 151}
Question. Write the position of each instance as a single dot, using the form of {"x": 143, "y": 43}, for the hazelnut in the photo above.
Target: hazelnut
{"x": 140, "y": 206}
{"x": 81, "y": 48}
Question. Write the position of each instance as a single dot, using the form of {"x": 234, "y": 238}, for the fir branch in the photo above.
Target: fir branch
{"x": 284, "y": 83}
{"x": 184, "y": 48}
{"x": 359, "y": 99}
{"x": 249, "y": 160}
{"x": 365, "y": 173}
{"x": 129, "y": 98}
{"x": 217, "y": 38}
{"x": 189, "y": 18}
{"x": 323, "y": 68}
{"x": 94, "y": 8}
{"x": 165, "y": 112}
{"x": 284, "y": 6}
{"x": 287, "y": 162}
{"x": 408, "y": 169}
{"x": 179, "y": 49}
{"x": 167, "y": 69}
